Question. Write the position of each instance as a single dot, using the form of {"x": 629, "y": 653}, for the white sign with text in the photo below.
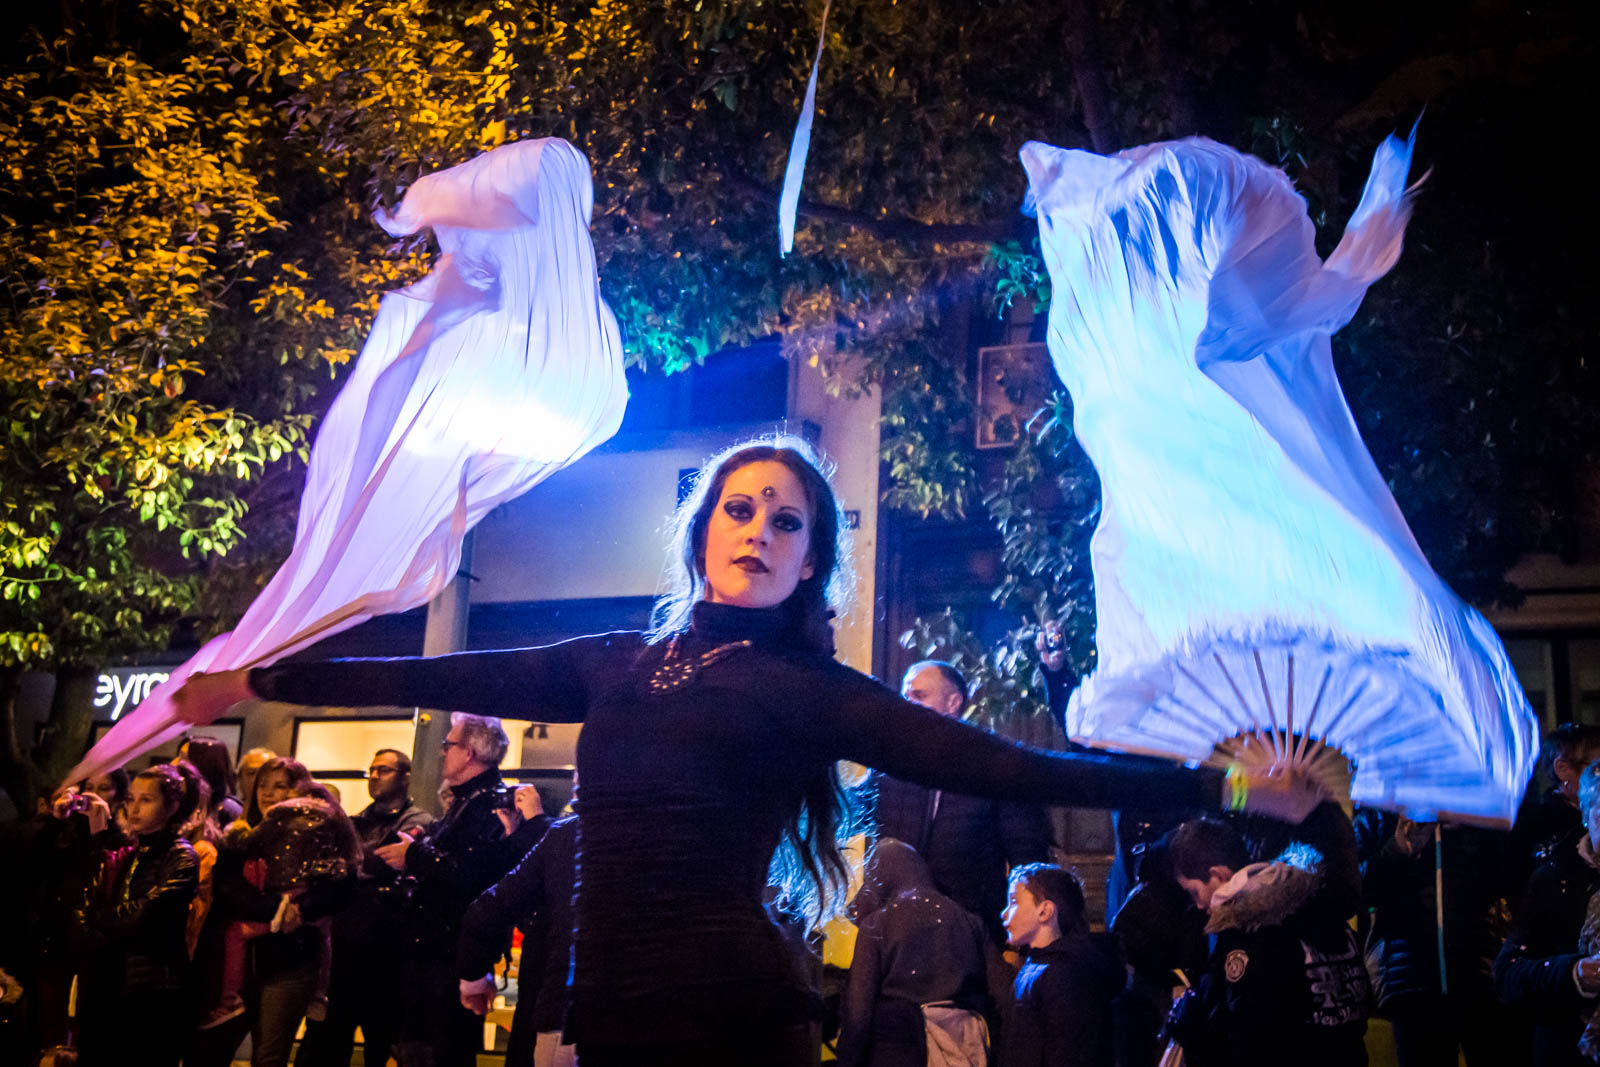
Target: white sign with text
{"x": 120, "y": 692}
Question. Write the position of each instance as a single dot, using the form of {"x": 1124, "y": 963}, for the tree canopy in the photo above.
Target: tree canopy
{"x": 189, "y": 256}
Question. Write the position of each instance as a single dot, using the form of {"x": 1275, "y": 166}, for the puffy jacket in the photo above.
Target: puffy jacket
{"x": 914, "y": 947}
{"x": 1400, "y": 895}
{"x": 132, "y": 918}
{"x": 1286, "y": 981}
{"x": 1534, "y": 968}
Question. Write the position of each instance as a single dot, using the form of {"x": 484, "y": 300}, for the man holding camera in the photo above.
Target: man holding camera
{"x": 464, "y": 853}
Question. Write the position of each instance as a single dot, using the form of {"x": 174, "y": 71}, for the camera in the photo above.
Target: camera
{"x": 78, "y": 804}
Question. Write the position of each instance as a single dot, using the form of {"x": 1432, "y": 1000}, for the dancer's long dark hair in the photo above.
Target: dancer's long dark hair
{"x": 809, "y": 868}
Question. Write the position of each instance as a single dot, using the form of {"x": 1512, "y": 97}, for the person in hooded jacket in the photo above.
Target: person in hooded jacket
{"x": 128, "y": 922}
{"x": 1436, "y": 1021}
{"x": 918, "y": 963}
{"x": 1286, "y": 980}
{"x": 1060, "y": 1015}
{"x": 1540, "y": 968}
{"x": 1163, "y": 942}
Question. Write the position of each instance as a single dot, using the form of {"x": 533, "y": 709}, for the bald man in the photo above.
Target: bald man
{"x": 967, "y": 841}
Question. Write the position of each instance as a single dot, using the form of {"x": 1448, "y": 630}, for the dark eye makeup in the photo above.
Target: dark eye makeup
{"x": 740, "y": 509}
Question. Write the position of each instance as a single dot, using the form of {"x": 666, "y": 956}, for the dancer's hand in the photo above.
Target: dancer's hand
{"x": 1281, "y": 793}
{"x": 204, "y": 698}
{"x": 1412, "y": 837}
{"x": 477, "y": 994}
{"x": 1587, "y": 973}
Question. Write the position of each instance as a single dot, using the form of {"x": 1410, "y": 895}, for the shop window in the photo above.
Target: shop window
{"x": 338, "y": 752}
{"x": 1530, "y": 658}
{"x": 1583, "y": 657}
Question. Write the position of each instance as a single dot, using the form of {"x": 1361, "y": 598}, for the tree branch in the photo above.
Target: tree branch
{"x": 886, "y": 229}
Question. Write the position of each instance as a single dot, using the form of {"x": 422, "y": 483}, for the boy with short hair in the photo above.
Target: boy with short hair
{"x": 1286, "y": 982}
{"x": 1061, "y": 1012}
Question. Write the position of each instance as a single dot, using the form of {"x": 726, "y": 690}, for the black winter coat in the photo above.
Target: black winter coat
{"x": 1534, "y": 968}
{"x": 1061, "y": 1012}
{"x": 464, "y": 853}
{"x": 967, "y": 841}
{"x": 1399, "y": 892}
{"x": 238, "y": 900}
{"x": 1286, "y": 981}
{"x": 536, "y": 895}
{"x": 135, "y": 933}
{"x": 919, "y": 948}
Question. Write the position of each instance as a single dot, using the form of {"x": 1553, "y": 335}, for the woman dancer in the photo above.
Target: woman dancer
{"x": 708, "y": 759}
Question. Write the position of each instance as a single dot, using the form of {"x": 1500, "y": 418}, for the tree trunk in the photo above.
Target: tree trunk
{"x": 1175, "y": 72}
{"x": 71, "y": 726}
{"x": 15, "y": 778}
{"x": 1089, "y": 72}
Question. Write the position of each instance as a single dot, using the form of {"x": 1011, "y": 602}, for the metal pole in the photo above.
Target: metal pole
{"x": 446, "y": 631}
{"x": 1438, "y": 903}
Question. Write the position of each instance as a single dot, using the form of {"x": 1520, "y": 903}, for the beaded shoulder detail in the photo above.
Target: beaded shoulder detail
{"x": 675, "y": 672}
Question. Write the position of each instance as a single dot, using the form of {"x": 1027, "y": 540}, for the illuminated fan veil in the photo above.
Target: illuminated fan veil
{"x": 499, "y": 368}
{"x": 1259, "y": 596}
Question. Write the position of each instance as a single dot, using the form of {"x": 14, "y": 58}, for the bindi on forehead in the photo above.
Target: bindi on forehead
{"x": 765, "y": 477}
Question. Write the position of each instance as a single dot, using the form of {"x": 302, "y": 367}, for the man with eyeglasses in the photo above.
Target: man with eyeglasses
{"x": 392, "y": 811}
{"x": 463, "y": 853}
{"x": 364, "y": 986}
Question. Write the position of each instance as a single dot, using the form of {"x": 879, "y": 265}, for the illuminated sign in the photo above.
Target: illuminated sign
{"x": 121, "y": 691}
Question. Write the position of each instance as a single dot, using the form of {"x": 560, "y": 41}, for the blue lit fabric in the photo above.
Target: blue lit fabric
{"x": 499, "y": 368}
{"x": 1252, "y": 571}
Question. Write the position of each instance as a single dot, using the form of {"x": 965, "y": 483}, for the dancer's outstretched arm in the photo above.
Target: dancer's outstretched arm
{"x": 550, "y": 684}
{"x": 871, "y": 725}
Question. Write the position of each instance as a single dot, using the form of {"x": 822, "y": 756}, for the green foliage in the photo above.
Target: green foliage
{"x": 189, "y": 258}
{"x": 129, "y": 215}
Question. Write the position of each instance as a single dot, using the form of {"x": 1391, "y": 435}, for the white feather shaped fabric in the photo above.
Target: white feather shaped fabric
{"x": 1252, "y": 571}
{"x": 501, "y": 367}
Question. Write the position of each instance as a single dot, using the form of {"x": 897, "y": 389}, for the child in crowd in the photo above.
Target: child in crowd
{"x": 128, "y": 922}
{"x": 916, "y": 993}
{"x": 1286, "y": 982}
{"x": 1061, "y": 1013}
{"x": 301, "y": 843}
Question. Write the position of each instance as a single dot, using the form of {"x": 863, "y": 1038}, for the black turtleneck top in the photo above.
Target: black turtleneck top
{"x": 684, "y": 793}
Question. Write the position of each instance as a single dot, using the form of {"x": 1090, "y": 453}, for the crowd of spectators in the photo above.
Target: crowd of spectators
{"x": 167, "y": 915}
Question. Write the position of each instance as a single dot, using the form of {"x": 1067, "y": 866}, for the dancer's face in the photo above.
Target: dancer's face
{"x": 758, "y": 541}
